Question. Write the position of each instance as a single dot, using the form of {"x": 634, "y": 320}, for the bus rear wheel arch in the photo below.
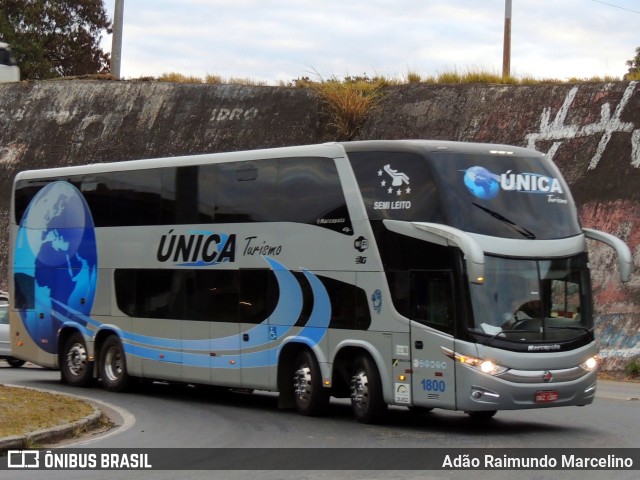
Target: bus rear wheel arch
{"x": 75, "y": 367}
{"x": 113, "y": 365}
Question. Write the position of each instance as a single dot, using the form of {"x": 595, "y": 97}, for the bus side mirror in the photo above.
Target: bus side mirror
{"x": 625, "y": 258}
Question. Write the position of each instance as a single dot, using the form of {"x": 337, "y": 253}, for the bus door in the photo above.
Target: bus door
{"x": 432, "y": 315}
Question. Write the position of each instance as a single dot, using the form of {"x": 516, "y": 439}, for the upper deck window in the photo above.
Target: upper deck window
{"x": 301, "y": 190}
{"x": 396, "y": 186}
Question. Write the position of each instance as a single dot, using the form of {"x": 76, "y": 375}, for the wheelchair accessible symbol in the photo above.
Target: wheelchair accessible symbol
{"x": 272, "y": 333}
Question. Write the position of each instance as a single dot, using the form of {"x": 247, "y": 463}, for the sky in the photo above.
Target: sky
{"x": 277, "y": 41}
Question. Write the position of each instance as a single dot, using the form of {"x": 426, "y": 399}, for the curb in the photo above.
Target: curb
{"x": 52, "y": 434}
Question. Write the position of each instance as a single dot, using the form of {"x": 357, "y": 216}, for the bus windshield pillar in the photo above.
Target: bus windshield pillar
{"x": 447, "y": 236}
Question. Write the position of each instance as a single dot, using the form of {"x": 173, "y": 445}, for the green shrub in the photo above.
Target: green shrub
{"x": 633, "y": 368}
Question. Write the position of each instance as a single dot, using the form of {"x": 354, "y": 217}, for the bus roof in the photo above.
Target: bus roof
{"x": 435, "y": 146}
{"x": 331, "y": 149}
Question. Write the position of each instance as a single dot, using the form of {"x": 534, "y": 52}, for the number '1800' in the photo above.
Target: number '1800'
{"x": 433, "y": 385}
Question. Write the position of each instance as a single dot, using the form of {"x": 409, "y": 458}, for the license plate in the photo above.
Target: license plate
{"x": 546, "y": 396}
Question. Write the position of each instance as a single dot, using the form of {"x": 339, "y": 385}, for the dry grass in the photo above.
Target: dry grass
{"x": 452, "y": 76}
{"x": 210, "y": 79}
{"x": 347, "y": 103}
{"x": 25, "y": 410}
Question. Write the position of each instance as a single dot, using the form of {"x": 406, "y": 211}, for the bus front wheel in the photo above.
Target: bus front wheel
{"x": 15, "y": 362}
{"x": 482, "y": 415}
{"x": 113, "y": 365}
{"x": 75, "y": 367}
{"x": 310, "y": 397}
{"x": 365, "y": 387}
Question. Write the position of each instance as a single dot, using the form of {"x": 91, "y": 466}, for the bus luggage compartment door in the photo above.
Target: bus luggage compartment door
{"x": 431, "y": 309}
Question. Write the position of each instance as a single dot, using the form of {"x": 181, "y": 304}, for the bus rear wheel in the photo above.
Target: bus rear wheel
{"x": 365, "y": 387}
{"x": 75, "y": 367}
{"x": 310, "y": 397}
{"x": 113, "y": 365}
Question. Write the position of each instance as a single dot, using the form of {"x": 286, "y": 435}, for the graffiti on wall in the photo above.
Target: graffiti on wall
{"x": 618, "y": 334}
{"x": 557, "y": 130}
{"x": 618, "y": 339}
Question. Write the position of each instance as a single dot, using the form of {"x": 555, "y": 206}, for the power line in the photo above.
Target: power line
{"x": 616, "y": 6}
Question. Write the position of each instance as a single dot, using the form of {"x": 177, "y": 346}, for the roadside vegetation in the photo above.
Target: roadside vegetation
{"x": 447, "y": 77}
{"x": 25, "y": 410}
{"x": 346, "y": 102}
{"x": 632, "y": 368}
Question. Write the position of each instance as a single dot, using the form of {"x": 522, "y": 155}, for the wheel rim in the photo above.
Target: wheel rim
{"x": 77, "y": 360}
{"x": 360, "y": 390}
{"x": 302, "y": 385}
{"x": 113, "y": 364}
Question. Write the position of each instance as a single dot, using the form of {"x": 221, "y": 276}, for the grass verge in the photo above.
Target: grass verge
{"x": 24, "y": 410}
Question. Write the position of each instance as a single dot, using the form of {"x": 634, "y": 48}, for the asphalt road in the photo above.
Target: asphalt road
{"x": 171, "y": 416}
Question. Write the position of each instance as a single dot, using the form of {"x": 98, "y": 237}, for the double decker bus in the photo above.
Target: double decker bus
{"x": 425, "y": 274}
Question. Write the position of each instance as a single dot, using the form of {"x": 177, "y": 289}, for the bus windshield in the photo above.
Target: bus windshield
{"x": 533, "y": 300}
{"x": 509, "y": 196}
{"x": 515, "y": 197}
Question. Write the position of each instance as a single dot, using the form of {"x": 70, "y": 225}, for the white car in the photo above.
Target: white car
{"x": 9, "y": 71}
{"x": 5, "y": 345}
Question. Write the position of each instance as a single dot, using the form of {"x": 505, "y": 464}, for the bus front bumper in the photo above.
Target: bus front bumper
{"x": 480, "y": 392}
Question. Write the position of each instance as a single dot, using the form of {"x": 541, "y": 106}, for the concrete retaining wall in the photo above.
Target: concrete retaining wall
{"x": 592, "y": 132}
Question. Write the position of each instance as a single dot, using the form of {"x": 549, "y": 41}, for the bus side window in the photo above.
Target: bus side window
{"x": 310, "y": 192}
{"x": 246, "y": 192}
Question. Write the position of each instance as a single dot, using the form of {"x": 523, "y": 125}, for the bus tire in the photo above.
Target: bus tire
{"x": 365, "y": 388}
{"x": 113, "y": 365}
{"x": 15, "y": 362}
{"x": 420, "y": 410}
{"x": 310, "y": 397}
{"x": 75, "y": 368}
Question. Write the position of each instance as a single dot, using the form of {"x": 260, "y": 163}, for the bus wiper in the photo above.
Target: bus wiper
{"x": 583, "y": 329}
{"x": 508, "y": 331}
{"x": 518, "y": 228}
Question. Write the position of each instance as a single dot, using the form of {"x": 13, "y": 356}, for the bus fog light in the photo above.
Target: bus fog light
{"x": 482, "y": 394}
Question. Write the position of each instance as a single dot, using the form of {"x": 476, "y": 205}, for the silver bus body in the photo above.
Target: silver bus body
{"x": 383, "y": 271}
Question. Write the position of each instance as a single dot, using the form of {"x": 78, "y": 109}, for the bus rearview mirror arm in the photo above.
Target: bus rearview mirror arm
{"x": 625, "y": 258}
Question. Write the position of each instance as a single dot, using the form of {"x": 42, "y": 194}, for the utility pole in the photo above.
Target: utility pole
{"x": 116, "y": 41}
{"x": 506, "y": 52}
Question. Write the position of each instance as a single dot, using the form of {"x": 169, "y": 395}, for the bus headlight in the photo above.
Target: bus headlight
{"x": 590, "y": 364}
{"x": 485, "y": 366}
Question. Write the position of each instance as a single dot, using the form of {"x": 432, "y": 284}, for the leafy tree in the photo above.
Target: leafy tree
{"x": 634, "y": 63}
{"x": 55, "y": 38}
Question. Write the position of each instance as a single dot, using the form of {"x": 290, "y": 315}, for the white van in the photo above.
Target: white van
{"x": 9, "y": 71}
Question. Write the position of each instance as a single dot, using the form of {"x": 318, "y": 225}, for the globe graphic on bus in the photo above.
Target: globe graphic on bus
{"x": 55, "y": 262}
{"x": 481, "y": 183}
